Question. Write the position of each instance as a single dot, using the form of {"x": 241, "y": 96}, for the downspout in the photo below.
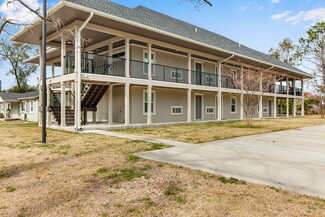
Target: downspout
{"x": 78, "y": 125}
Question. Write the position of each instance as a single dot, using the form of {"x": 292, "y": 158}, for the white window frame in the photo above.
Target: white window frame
{"x": 266, "y": 111}
{"x": 209, "y": 113}
{"x": 173, "y": 74}
{"x": 176, "y": 107}
{"x": 31, "y": 106}
{"x": 231, "y": 98}
{"x": 23, "y": 106}
{"x": 152, "y": 101}
{"x": 207, "y": 79}
{"x": 153, "y": 61}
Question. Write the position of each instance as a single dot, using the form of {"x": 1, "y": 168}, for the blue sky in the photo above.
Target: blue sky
{"x": 259, "y": 24}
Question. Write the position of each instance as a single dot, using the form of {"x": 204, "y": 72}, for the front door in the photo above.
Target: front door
{"x": 198, "y": 107}
{"x": 198, "y": 74}
{"x": 270, "y": 108}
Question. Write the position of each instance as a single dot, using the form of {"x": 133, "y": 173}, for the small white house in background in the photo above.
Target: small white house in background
{"x": 23, "y": 106}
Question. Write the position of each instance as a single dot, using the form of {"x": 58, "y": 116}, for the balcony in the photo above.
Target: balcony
{"x": 204, "y": 78}
{"x": 281, "y": 89}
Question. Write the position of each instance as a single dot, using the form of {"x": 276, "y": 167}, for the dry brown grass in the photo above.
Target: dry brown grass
{"x": 210, "y": 132}
{"x": 94, "y": 175}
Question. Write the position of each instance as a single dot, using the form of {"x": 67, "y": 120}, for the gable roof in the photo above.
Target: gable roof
{"x": 15, "y": 97}
{"x": 154, "y": 19}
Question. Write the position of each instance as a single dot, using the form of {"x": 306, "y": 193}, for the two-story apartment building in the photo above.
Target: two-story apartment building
{"x": 135, "y": 66}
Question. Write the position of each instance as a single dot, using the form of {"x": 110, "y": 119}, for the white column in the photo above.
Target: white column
{"x": 287, "y": 107}
{"x": 219, "y": 117}
{"x": 242, "y": 93}
{"x": 189, "y": 67}
{"x": 149, "y": 98}
{"x": 63, "y": 104}
{"x": 127, "y": 57}
{"x": 149, "y": 62}
{"x": 48, "y": 116}
{"x": 110, "y": 104}
{"x": 302, "y": 99}
{"x": 63, "y": 53}
{"x": 275, "y": 110}
{"x": 77, "y": 80}
{"x": 52, "y": 70}
{"x": 287, "y": 85}
{"x": 127, "y": 103}
{"x": 294, "y": 107}
{"x": 260, "y": 112}
{"x": 189, "y": 105}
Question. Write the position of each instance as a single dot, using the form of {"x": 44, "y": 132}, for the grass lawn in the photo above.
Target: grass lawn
{"x": 215, "y": 131}
{"x": 95, "y": 175}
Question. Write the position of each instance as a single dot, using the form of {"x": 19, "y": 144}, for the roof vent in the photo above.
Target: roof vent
{"x": 195, "y": 29}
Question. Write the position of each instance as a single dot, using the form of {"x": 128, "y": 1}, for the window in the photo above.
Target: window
{"x": 175, "y": 73}
{"x": 233, "y": 105}
{"x": 23, "y": 106}
{"x": 209, "y": 110}
{"x": 209, "y": 79}
{"x": 177, "y": 110}
{"x": 145, "y": 66}
{"x": 265, "y": 110}
{"x": 145, "y": 102}
{"x": 31, "y": 106}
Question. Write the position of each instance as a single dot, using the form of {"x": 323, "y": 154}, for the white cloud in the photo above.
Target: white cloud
{"x": 243, "y": 8}
{"x": 275, "y": 1}
{"x": 19, "y": 12}
{"x": 314, "y": 15}
{"x": 281, "y": 15}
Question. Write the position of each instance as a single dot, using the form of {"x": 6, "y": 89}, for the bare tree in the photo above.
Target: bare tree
{"x": 254, "y": 85}
{"x": 312, "y": 52}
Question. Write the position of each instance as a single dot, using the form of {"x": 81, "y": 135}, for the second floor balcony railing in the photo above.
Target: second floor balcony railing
{"x": 97, "y": 64}
{"x": 204, "y": 78}
{"x": 298, "y": 92}
{"x": 227, "y": 82}
{"x": 281, "y": 89}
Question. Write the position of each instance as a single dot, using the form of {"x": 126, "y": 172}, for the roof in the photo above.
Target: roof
{"x": 169, "y": 24}
{"x": 14, "y": 97}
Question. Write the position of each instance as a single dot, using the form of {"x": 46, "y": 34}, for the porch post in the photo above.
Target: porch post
{"x": 127, "y": 103}
{"x": 189, "y": 67}
{"x": 302, "y": 99}
{"x": 260, "y": 112}
{"x": 49, "y": 115}
{"x": 275, "y": 111}
{"x": 189, "y": 91}
{"x": 294, "y": 107}
{"x": 110, "y": 104}
{"x": 219, "y": 92}
{"x": 149, "y": 62}
{"x": 189, "y": 105}
{"x": 127, "y": 57}
{"x": 63, "y": 104}
{"x": 77, "y": 79}
{"x": 242, "y": 93}
{"x": 149, "y": 100}
{"x": 52, "y": 70}
{"x": 63, "y": 53}
{"x": 287, "y": 106}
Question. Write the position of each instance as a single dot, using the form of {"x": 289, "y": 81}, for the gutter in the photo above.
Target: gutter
{"x": 222, "y": 61}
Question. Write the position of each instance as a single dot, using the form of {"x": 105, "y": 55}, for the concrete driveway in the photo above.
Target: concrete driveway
{"x": 292, "y": 159}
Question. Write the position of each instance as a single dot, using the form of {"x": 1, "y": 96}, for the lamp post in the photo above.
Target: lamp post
{"x": 44, "y": 94}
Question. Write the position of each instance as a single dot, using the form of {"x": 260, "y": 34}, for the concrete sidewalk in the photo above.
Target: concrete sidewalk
{"x": 292, "y": 159}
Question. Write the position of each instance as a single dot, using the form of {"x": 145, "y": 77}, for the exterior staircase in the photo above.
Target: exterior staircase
{"x": 90, "y": 97}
